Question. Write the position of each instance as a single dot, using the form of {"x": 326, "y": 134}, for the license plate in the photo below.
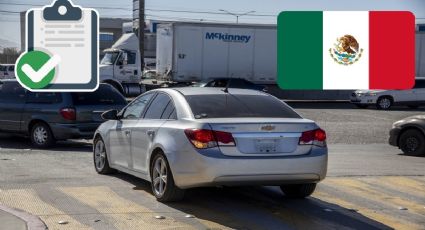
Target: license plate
{"x": 266, "y": 146}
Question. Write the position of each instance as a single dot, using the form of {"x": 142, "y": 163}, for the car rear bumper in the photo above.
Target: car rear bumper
{"x": 204, "y": 170}
{"x": 74, "y": 131}
{"x": 394, "y": 134}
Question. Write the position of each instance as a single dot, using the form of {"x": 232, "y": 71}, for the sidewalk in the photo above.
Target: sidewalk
{"x": 12, "y": 219}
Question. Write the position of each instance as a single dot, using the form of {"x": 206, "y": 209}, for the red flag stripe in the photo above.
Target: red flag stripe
{"x": 392, "y": 50}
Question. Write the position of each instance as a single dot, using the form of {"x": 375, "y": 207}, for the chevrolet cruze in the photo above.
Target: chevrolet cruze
{"x": 191, "y": 137}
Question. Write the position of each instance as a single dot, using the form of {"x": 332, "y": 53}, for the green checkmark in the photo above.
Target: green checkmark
{"x": 29, "y": 67}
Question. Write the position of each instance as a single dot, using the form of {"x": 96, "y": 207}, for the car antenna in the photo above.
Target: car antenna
{"x": 226, "y": 90}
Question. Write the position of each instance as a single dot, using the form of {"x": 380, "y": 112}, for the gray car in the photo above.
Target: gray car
{"x": 46, "y": 117}
{"x": 191, "y": 137}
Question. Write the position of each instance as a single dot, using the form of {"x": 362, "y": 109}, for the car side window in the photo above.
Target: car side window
{"x": 43, "y": 98}
{"x": 168, "y": 112}
{"x": 11, "y": 92}
{"x": 419, "y": 85}
{"x": 136, "y": 108}
{"x": 157, "y": 107}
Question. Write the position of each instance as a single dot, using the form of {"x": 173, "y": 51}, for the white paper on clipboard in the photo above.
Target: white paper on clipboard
{"x": 73, "y": 37}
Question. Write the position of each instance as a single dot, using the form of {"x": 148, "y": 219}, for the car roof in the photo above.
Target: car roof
{"x": 187, "y": 91}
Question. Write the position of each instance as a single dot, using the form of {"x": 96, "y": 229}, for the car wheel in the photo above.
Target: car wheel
{"x": 361, "y": 106}
{"x": 100, "y": 158}
{"x": 412, "y": 142}
{"x": 384, "y": 103}
{"x": 163, "y": 186}
{"x": 298, "y": 190}
{"x": 41, "y": 136}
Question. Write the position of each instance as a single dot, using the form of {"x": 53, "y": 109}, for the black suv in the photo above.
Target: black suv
{"x": 46, "y": 117}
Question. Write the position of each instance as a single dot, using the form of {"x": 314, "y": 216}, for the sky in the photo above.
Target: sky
{"x": 266, "y": 11}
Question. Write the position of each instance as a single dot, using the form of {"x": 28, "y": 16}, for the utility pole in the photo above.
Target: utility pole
{"x": 142, "y": 33}
{"x": 236, "y": 15}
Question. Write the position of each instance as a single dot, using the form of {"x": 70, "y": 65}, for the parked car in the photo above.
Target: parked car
{"x": 237, "y": 83}
{"x": 46, "y": 117}
{"x": 385, "y": 99}
{"x": 409, "y": 135}
{"x": 7, "y": 71}
{"x": 179, "y": 138}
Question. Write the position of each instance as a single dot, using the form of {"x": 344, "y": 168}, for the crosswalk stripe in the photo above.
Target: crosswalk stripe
{"x": 413, "y": 192}
{"x": 126, "y": 214}
{"x": 362, "y": 189}
{"x": 29, "y": 201}
{"x": 404, "y": 182}
{"x": 372, "y": 214}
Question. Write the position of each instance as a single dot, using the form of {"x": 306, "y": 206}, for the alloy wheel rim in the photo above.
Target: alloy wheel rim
{"x": 159, "y": 176}
{"x": 99, "y": 155}
{"x": 40, "y": 135}
{"x": 412, "y": 144}
{"x": 385, "y": 103}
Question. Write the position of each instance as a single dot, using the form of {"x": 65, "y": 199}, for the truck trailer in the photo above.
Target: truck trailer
{"x": 189, "y": 52}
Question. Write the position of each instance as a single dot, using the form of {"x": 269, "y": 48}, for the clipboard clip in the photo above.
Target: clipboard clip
{"x": 62, "y": 10}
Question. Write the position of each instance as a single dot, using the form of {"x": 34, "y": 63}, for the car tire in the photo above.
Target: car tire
{"x": 361, "y": 106}
{"x": 412, "y": 142}
{"x": 384, "y": 103}
{"x": 100, "y": 157}
{"x": 298, "y": 190}
{"x": 162, "y": 181}
{"x": 41, "y": 135}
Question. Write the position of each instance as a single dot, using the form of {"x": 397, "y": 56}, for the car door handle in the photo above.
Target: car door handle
{"x": 150, "y": 133}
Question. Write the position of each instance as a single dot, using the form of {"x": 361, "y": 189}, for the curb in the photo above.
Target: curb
{"x": 33, "y": 222}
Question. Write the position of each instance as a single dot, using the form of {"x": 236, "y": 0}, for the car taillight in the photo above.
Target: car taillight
{"x": 68, "y": 114}
{"x": 204, "y": 139}
{"x": 313, "y": 137}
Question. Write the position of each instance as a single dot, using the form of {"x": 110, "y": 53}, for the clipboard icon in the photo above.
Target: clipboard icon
{"x": 69, "y": 36}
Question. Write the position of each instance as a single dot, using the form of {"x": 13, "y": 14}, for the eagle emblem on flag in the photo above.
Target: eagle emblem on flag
{"x": 346, "y": 50}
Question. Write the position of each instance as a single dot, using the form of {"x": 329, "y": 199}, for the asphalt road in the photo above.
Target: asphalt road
{"x": 370, "y": 185}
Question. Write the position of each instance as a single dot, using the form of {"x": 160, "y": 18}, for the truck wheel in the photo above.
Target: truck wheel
{"x": 41, "y": 136}
{"x": 163, "y": 186}
{"x": 384, "y": 103}
{"x": 412, "y": 142}
{"x": 298, "y": 190}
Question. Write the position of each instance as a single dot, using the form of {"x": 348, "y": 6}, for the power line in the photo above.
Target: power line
{"x": 154, "y": 10}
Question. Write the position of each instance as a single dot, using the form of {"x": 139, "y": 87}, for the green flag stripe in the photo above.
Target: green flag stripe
{"x": 300, "y": 52}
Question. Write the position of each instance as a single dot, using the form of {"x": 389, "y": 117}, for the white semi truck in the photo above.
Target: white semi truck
{"x": 188, "y": 52}
{"x": 192, "y": 52}
{"x": 121, "y": 64}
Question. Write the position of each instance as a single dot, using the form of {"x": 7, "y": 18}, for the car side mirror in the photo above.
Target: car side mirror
{"x": 110, "y": 115}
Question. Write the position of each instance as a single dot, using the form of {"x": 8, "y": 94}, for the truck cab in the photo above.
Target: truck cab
{"x": 120, "y": 65}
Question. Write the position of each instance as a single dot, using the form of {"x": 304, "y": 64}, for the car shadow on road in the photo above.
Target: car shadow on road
{"x": 22, "y": 143}
{"x": 262, "y": 208}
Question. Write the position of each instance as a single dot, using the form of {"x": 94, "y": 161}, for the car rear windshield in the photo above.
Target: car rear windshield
{"x": 228, "y": 105}
{"x": 104, "y": 95}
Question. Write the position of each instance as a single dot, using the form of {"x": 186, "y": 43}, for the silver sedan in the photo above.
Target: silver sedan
{"x": 191, "y": 137}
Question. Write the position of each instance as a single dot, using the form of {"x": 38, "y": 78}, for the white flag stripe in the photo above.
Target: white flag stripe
{"x": 336, "y": 25}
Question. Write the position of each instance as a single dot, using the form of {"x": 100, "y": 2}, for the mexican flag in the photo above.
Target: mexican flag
{"x": 346, "y": 50}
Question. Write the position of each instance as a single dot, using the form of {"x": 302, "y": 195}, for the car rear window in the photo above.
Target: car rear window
{"x": 104, "y": 95}
{"x": 228, "y": 105}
